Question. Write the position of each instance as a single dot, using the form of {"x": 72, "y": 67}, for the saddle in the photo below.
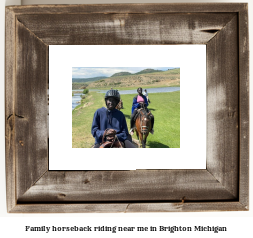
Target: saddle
{"x": 137, "y": 114}
{"x": 110, "y": 140}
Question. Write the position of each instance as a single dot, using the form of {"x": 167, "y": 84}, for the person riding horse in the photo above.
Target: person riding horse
{"x": 112, "y": 119}
{"x": 146, "y": 94}
{"x": 138, "y": 100}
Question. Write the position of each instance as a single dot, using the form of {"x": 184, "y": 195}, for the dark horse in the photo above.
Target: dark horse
{"x": 143, "y": 125}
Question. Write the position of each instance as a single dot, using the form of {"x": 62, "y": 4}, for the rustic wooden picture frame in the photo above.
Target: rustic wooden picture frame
{"x": 222, "y": 186}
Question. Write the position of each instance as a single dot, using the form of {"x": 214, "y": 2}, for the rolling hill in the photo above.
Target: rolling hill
{"x": 148, "y": 71}
{"x": 162, "y": 78}
{"x": 85, "y": 80}
{"x": 121, "y": 74}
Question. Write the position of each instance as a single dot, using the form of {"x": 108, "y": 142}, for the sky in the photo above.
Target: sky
{"x": 90, "y": 72}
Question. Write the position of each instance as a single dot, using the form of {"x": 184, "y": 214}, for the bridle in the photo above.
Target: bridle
{"x": 144, "y": 116}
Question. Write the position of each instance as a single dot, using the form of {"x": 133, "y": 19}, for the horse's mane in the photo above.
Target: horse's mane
{"x": 144, "y": 112}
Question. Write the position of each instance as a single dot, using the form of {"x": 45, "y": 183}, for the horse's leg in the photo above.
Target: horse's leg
{"x": 143, "y": 144}
{"x": 141, "y": 140}
{"x": 137, "y": 134}
{"x": 145, "y": 139}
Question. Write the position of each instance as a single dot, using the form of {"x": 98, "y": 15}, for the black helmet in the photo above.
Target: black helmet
{"x": 112, "y": 93}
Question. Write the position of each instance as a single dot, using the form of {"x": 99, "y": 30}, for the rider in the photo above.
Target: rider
{"x": 137, "y": 100}
{"x": 146, "y": 94}
{"x": 112, "y": 118}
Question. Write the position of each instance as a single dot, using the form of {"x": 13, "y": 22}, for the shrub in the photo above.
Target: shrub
{"x": 85, "y": 91}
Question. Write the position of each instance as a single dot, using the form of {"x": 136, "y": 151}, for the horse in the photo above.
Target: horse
{"x": 119, "y": 105}
{"x": 143, "y": 125}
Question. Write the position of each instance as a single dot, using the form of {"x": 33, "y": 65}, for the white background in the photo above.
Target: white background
{"x": 192, "y": 98}
{"x": 238, "y": 223}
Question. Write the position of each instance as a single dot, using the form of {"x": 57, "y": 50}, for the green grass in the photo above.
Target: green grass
{"x": 164, "y": 106}
{"x": 82, "y": 117}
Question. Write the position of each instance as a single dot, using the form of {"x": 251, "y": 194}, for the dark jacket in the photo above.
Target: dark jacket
{"x": 104, "y": 119}
{"x": 136, "y": 104}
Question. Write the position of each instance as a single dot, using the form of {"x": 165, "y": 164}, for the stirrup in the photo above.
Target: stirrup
{"x": 131, "y": 132}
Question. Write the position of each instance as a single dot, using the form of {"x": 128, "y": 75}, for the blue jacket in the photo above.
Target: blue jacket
{"x": 104, "y": 119}
{"x": 136, "y": 104}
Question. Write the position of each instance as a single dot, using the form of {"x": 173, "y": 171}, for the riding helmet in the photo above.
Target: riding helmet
{"x": 112, "y": 93}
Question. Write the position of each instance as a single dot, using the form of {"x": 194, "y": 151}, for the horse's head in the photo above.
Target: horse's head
{"x": 145, "y": 122}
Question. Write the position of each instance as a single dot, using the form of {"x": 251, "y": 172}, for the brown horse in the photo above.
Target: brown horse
{"x": 120, "y": 105}
{"x": 143, "y": 126}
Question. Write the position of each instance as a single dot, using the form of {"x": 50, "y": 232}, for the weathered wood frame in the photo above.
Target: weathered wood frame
{"x": 222, "y": 186}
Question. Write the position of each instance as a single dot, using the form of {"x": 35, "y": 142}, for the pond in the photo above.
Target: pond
{"x": 77, "y": 96}
{"x": 150, "y": 90}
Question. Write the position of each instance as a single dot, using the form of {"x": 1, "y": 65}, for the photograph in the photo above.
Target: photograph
{"x": 155, "y": 101}
{"x": 125, "y": 107}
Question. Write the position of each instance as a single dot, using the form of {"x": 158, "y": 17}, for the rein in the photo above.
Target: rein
{"x": 116, "y": 138}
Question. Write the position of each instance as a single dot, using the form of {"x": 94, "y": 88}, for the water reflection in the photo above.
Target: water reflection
{"x": 76, "y": 100}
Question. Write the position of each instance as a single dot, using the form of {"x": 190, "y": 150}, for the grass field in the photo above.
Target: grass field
{"x": 164, "y": 106}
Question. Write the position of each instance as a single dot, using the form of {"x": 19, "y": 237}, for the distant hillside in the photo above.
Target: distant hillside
{"x": 156, "y": 77}
{"x": 147, "y": 71}
{"x": 79, "y": 85}
{"x": 121, "y": 74}
{"x": 84, "y": 80}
